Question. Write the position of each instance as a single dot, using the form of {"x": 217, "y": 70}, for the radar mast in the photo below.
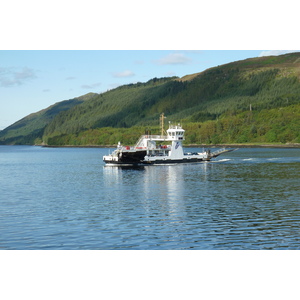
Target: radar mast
{"x": 161, "y": 119}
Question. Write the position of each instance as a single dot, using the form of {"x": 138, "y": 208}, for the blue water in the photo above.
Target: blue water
{"x": 65, "y": 198}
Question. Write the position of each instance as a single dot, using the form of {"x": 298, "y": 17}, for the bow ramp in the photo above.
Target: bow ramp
{"x": 219, "y": 152}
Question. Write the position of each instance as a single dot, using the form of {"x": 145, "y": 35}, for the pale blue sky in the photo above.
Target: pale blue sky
{"x": 33, "y": 80}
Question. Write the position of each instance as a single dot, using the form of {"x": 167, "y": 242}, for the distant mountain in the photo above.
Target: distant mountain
{"x": 214, "y": 104}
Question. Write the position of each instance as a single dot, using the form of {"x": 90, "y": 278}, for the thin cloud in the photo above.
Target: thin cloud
{"x": 276, "y": 52}
{"x": 70, "y": 78}
{"x": 91, "y": 86}
{"x": 10, "y": 77}
{"x": 171, "y": 73}
{"x": 173, "y": 59}
{"x": 139, "y": 62}
{"x": 126, "y": 73}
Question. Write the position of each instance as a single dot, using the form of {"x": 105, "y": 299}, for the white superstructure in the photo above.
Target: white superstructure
{"x": 171, "y": 153}
{"x": 158, "y": 149}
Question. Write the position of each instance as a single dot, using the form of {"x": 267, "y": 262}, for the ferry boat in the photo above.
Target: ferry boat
{"x": 148, "y": 152}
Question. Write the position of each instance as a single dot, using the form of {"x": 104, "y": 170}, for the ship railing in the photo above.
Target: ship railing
{"x": 157, "y": 137}
{"x": 150, "y": 137}
{"x": 175, "y": 126}
{"x": 139, "y": 141}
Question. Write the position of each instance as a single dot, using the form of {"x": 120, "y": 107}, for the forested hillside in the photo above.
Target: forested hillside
{"x": 28, "y": 129}
{"x": 249, "y": 101}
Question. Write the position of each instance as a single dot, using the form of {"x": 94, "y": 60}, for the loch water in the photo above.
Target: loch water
{"x": 66, "y": 198}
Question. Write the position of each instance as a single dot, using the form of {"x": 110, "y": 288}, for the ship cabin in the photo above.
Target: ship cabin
{"x": 175, "y": 133}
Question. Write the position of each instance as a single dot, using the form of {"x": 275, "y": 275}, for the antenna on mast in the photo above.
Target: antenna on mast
{"x": 161, "y": 119}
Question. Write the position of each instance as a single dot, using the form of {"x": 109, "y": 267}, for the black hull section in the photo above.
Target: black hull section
{"x": 129, "y": 158}
{"x": 132, "y": 157}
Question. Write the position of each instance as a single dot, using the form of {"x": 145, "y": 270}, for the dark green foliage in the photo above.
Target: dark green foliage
{"x": 279, "y": 125}
{"x": 28, "y": 139}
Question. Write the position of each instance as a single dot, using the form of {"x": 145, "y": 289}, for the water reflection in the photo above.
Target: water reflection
{"x": 162, "y": 185}
{"x": 161, "y": 198}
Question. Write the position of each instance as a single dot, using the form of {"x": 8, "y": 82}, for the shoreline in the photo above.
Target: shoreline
{"x": 187, "y": 146}
{"x": 247, "y": 145}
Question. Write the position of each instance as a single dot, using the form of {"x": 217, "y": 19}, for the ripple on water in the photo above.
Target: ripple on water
{"x": 67, "y": 199}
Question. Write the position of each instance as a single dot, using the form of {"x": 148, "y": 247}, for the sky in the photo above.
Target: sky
{"x": 31, "y": 80}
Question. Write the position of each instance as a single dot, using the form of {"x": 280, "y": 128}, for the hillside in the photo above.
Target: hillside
{"x": 254, "y": 100}
{"x": 26, "y": 130}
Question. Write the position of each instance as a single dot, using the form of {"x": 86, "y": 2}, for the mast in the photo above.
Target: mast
{"x": 161, "y": 119}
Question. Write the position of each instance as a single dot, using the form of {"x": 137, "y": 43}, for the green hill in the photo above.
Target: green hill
{"x": 28, "y": 129}
{"x": 255, "y": 100}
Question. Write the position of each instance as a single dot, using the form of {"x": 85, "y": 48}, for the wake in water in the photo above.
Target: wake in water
{"x": 221, "y": 160}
